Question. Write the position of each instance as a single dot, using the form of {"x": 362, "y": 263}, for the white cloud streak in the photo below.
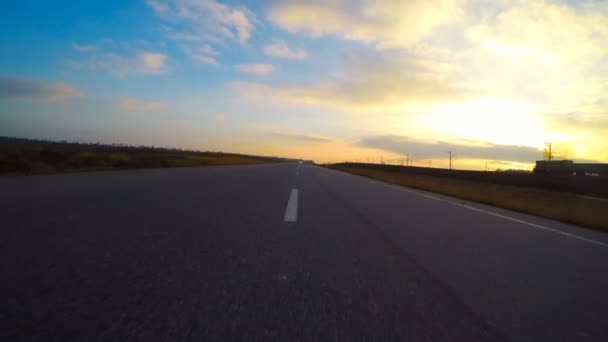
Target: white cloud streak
{"x": 281, "y": 50}
{"x": 203, "y": 54}
{"x": 371, "y": 83}
{"x": 144, "y": 106}
{"x": 204, "y": 59}
{"x": 387, "y": 23}
{"x": 206, "y": 19}
{"x": 85, "y": 48}
{"x": 257, "y": 69}
{"x": 143, "y": 63}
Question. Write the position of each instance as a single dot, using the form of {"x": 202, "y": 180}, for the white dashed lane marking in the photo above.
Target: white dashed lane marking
{"x": 291, "y": 212}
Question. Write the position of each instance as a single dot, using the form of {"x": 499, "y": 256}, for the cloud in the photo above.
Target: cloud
{"x": 206, "y": 18}
{"x": 189, "y": 37}
{"x": 371, "y": 82}
{"x": 85, "y": 48}
{"x": 204, "y": 59}
{"x": 203, "y": 54}
{"x": 577, "y": 121}
{"x": 589, "y": 117}
{"x": 581, "y": 135}
{"x": 152, "y": 62}
{"x": 548, "y": 56}
{"x": 24, "y": 88}
{"x": 544, "y": 32}
{"x": 387, "y": 24}
{"x": 208, "y": 50}
{"x": 258, "y": 69}
{"x": 427, "y": 150}
{"x": 136, "y": 105}
{"x": 302, "y": 137}
{"x": 281, "y": 50}
{"x": 539, "y": 50}
{"x": 159, "y": 7}
{"x": 531, "y": 49}
{"x": 143, "y": 63}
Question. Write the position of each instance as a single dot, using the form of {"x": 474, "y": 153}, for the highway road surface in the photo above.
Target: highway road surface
{"x": 285, "y": 252}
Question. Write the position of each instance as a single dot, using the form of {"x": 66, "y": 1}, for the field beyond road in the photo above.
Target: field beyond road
{"x": 568, "y": 207}
{"x": 24, "y": 156}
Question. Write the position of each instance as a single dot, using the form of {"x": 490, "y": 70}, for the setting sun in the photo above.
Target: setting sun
{"x": 490, "y": 120}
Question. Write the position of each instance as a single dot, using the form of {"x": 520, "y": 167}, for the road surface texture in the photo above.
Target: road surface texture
{"x": 285, "y": 252}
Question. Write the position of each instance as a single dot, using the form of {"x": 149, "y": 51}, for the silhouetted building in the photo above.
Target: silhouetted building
{"x": 568, "y": 167}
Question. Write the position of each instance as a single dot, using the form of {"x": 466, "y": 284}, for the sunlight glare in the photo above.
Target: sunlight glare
{"x": 491, "y": 120}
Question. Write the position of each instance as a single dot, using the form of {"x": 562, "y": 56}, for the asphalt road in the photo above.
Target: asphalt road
{"x": 230, "y": 254}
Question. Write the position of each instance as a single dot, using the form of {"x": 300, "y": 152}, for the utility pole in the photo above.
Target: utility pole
{"x": 407, "y": 160}
{"x": 450, "y": 152}
{"x": 550, "y": 154}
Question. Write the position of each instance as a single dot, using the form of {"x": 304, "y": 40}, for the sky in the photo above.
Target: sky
{"x": 328, "y": 80}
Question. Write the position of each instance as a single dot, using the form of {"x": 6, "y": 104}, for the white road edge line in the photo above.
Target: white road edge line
{"x": 491, "y": 213}
{"x": 291, "y": 213}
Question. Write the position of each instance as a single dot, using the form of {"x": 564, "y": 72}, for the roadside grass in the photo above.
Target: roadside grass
{"x": 562, "y": 206}
{"x": 25, "y": 157}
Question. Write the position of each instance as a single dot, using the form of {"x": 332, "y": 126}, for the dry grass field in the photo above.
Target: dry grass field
{"x": 562, "y": 206}
{"x": 24, "y": 157}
